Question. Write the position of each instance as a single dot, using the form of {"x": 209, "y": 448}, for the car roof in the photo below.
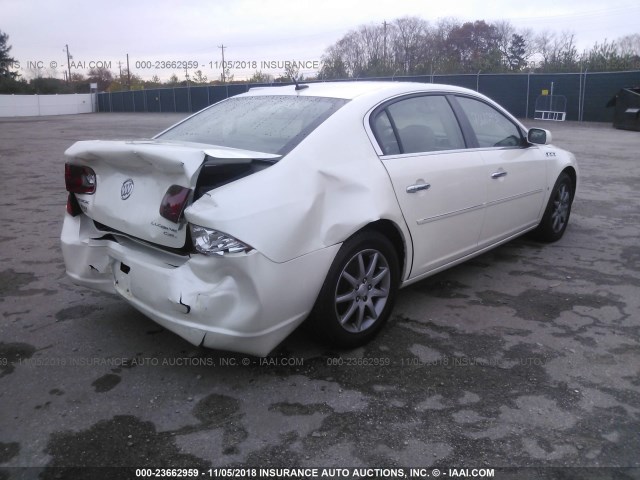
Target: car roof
{"x": 352, "y": 89}
{"x": 364, "y": 94}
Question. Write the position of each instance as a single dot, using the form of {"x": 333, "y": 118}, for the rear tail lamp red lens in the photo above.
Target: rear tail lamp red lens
{"x": 79, "y": 179}
{"x": 174, "y": 203}
{"x": 73, "y": 207}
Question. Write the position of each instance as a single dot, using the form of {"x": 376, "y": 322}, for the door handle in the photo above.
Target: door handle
{"x": 417, "y": 187}
{"x": 498, "y": 174}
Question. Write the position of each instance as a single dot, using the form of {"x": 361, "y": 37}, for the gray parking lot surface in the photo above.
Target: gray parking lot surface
{"x": 528, "y": 355}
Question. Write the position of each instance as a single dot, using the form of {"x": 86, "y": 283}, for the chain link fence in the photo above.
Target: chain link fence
{"x": 586, "y": 93}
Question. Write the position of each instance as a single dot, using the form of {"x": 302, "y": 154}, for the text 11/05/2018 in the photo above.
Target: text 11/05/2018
{"x": 267, "y": 64}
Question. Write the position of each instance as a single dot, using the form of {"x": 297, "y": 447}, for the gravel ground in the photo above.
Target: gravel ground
{"x": 527, "y": 356}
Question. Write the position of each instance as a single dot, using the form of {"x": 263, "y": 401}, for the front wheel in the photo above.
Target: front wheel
{"x": 358, "y": 294}
{"x": 556, "y": 215}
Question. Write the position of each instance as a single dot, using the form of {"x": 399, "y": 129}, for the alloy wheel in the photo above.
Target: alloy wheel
{"x": 362, "y": 290}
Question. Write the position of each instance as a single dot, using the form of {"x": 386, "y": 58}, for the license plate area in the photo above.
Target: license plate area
{"x": 122, "y": 279}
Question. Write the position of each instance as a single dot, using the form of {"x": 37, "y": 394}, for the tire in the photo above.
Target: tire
{"x": 352, "y": 306}
{"x": 556, "y": 215}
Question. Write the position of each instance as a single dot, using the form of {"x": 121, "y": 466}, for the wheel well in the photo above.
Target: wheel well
{"x": 391, "y": 231}
{"x": 574, "y": 178}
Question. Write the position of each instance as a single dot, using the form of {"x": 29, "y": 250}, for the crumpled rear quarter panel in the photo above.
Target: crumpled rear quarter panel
{"x": 322, "y": 192}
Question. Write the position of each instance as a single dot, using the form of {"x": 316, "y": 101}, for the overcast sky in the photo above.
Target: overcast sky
{"x": 260, "y": 30}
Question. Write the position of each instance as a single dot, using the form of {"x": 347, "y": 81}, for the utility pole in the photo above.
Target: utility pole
{"x": 69, "y": 57}
{"x": 120, "y": 71}
{"x": 384, "y": 45}
{"x": 128, "y": 74}
{"x": 222, "y": 47}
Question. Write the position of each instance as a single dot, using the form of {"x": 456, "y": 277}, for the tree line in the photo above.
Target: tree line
{"x": 413, "y": 46}
{"x": 404, "y": 46}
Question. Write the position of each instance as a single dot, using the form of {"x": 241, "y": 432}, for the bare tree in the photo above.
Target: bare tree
{"x": 259, "y": 77}
{"x": 505, "y": 31}
{"x": 516, "y": 46}
{"x": 292, "y": 71}
{"x": 410, "y": 45}
{"x": 444, "y": 58}
{"x": 154, "y": 82}
{"x": 629, "y": 45}
{"x": 359, "y": 53}
{"x": 199, "y": 77}
{"x": 333, "y": 64}
{"x": 410, "y": 37}
{"x": 558, "y": 52}
{"x": 609, "y": 56}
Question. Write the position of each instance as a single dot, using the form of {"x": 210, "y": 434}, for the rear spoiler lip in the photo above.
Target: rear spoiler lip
{"x": 170, "y": 157}
{"x": 216, "y": 151}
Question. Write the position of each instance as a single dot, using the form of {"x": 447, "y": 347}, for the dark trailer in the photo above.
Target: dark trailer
{"x": 627, "y": 112}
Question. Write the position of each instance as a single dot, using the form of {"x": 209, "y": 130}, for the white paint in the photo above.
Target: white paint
{"x": 40, "y": 105}
{"x": 295, "y": 215}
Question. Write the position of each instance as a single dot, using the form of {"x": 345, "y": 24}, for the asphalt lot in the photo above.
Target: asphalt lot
{"x": 526, "y": 356}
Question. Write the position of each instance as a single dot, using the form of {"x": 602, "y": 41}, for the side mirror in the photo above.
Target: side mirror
{"x": 539, "y": 136}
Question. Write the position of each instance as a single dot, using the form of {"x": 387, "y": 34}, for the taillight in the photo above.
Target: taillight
{"x": 73, "y": 207}
{"x": 209, "y": 242}
{"x": 79, "y": 179}
{"x": 174, "y": 203}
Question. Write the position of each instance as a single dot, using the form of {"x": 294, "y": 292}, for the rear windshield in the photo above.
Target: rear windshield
{"x": 270, "y": 124}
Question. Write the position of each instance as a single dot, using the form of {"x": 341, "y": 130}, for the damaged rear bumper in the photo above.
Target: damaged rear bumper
{"x": 239, "y": 302}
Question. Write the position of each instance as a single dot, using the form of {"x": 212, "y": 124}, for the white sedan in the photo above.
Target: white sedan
{"x": 311, "y": 201}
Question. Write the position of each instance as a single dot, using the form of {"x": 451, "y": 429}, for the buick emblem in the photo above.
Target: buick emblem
{"x": 127, "y": 189}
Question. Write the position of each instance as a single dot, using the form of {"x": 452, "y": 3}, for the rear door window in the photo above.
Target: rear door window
{"x": 420, "y": 124}
{"x": 384, "y": 133}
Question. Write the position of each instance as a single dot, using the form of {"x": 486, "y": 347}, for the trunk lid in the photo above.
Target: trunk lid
{"x": 132, "y": 178}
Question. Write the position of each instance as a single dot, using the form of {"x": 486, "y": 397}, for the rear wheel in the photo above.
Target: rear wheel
{"x": 359, "y": 292}
{"x": 556, "y": 215}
